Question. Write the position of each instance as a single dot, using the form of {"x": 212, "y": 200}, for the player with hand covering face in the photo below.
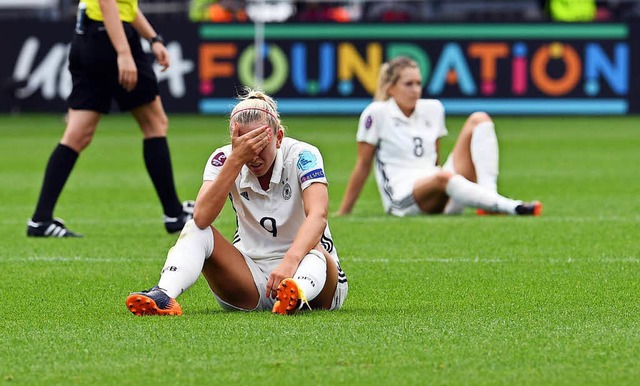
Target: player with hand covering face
{"x": 282, "y": 255}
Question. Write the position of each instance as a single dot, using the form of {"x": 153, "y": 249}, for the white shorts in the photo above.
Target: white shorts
{"x": 261, "y": 269}
{"x": 409, "y": 206}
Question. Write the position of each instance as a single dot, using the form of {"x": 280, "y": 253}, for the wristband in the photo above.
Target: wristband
{"x": 156, "y": 39}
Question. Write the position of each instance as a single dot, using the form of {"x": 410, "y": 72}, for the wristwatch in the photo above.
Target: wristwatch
{"x": 156, "y": 39}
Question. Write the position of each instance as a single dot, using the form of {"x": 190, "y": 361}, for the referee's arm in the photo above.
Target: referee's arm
{"x": 144, "y": 28}
{"x": 127, "y": 70}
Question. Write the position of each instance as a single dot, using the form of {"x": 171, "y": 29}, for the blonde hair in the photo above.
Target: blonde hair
{"x": 389, "y": 75}
{"x": 254, "y": 106}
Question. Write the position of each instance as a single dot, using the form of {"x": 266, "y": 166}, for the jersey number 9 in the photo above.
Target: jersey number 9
{"x": 273, "y": 229}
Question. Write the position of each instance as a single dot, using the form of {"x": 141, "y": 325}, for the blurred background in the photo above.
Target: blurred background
{"x": 235, "y": 11}
{"x": 322, "y": 57}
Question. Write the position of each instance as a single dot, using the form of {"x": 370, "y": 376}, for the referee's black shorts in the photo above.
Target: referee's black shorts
{"x": 93, "y": 64}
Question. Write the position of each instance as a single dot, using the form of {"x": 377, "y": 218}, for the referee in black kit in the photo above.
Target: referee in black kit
{"x": 107, "y": 62}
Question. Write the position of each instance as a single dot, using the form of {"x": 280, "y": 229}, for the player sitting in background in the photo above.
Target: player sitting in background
{"x": 282, "y": 255}
{"x": 402, "y": 131}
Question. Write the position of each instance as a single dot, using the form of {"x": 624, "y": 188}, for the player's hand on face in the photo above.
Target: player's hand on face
{"x": 127, "y": 71}
{"x": 249, "y": 145}
{"x": 162, "y": 55}
{"x": 284, "y": 270}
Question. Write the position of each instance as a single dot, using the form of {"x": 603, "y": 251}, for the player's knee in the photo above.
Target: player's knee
{"x": 314, "y": 253}
{"x": 195, "y": 236}
{"x": 191, "y": 227}
{"x": 199, "y": 221}
{"x": 479, "y": 117}
{"x": 442, "y": 179}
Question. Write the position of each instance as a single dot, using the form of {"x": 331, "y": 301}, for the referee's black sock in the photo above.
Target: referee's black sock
{"x": 158, "y": 162}
{"x": 56, "y": 175}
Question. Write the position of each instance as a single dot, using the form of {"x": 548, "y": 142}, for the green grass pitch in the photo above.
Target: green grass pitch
{"x": 437, "y": 300}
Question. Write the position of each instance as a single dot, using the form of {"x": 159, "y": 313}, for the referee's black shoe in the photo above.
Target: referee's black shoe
{"x": 53, "y": 228}
{"x": 175, "y": 224}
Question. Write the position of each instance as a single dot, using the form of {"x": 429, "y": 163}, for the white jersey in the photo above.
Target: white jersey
{"x": 268, "y": 221}
{"x": 405, "y": 147}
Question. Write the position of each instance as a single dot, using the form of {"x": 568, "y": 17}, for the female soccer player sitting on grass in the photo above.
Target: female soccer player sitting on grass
{"x": 282, "y": 256}
{"x": 402, "y": 131}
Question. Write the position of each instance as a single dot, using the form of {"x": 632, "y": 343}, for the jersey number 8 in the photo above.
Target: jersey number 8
{"x": 418, "y": 150}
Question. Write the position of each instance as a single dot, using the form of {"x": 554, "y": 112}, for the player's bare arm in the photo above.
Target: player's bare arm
{"x": 316, "y": 207}
{"x": 358, "y": 177}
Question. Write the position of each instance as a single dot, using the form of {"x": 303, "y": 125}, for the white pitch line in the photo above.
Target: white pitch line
{"x": 356, "y": 259}
{"x": 465, "y": 217}
{"x": 82, "y": 259}
{"x": 391, "y": 260}
{"x": 479, "y": 260}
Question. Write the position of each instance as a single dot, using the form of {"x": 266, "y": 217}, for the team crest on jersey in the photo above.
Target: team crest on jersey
{"x": 368, "y": 122}
{"x": 312, "y": 175}
{"x": 245, "y": 195}
{"x": 286, "y": 191}
{"x": 306, "y": 160}
{"x": 218, "y": 159}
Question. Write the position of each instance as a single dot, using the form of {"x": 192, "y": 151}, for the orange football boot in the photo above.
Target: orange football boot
{"x": 290, "y": 298}
{"x": 153, "y": 302}
{"x": 533, "y": 208}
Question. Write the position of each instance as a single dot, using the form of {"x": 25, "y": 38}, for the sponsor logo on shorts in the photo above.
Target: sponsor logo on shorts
{"x": 218, "y": 159}
{"x": 306, "y": 160}
{"x": 312, "y": 175}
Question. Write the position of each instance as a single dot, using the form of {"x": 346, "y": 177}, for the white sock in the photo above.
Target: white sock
{"x": 186, "y": 259}
{"x": 484, "y": 154}
{"x": 474, "y": 195}
{"x": 311, "y": 274}
{"x": 454, "y": 207}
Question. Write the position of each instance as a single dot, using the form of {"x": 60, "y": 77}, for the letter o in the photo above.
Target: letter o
{"x": 279, "y": 65}
{"x": 571, "y": 75}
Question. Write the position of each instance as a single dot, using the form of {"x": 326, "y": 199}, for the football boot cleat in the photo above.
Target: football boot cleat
{"x": 290, "y": 298}
{"x": 152, "y": 302}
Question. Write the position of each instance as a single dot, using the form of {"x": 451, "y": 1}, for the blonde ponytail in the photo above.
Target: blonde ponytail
{"x": 383, "y": 83}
